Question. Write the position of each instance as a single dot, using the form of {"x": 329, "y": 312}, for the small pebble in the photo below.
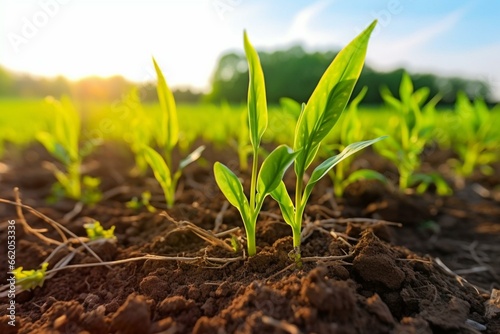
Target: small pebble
{"x": 475, "y": 325}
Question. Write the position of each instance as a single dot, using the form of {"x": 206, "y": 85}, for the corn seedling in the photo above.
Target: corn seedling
{"x": 271, "y": 172}
{"x": 316, "y": 120}
{"x": 412, "y": 133}
{"x": 476, "y": 140}
{"x": 351, "y": 131}
{"x": 166, "y": 134}
{"x": 61, "y": 140}
{"x": 141, "y": 125}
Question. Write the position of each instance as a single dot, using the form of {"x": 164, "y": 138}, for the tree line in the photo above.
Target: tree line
{"x": 291, "y": 73}
{"x": 294, "y": 73}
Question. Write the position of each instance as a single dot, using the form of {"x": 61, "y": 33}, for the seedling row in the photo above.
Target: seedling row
{"x": 309, "y": 140}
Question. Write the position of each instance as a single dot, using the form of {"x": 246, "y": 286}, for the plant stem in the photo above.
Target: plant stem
{"x": 297, "y": 237}
{"x": 75, "y": 191}
{"x": 251, "y": 241}
{"x": 253, "y": 182}
{"x": 168, "y": 159}
{"x": 250, "y": 227}
{"x": 404, "y": 180}
{"x": 169, "y": 197}
{"x": 296, "y": 229}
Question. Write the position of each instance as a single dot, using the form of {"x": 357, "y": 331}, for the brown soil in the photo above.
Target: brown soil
{"x": 390, "y": 284}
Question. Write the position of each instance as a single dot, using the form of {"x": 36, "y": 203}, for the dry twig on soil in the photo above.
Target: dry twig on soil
{"x": 208, "y": 236}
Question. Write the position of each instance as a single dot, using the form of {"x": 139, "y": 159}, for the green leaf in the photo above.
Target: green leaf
{"x": 357, "y": 100}
{"x": 53, "y": 147}
{"x": 425, "y": 180}
{"x": 159, "y": 167}
{"x": 168, "y": 127}
{"x": 72, "y": 125}
{"x": 65, "y": 127}
{"x": 96, "y": 231}
{"x": 329, "y": 99}
{"x": 421, "y": 95}
{"x": 193, "y": 156}
{"x": 30, "y": 279}
{"x": 365, "y": 174}
{"x": 257, "y": 104}
{"x": 387, "y": 96}
{"x": 232, "y": 188}
{"x": 280, "y": 195}
{"x": 329, "y": 163}
{"x": 406, "y": 89}
{"x": 291, "y": 106}
{"x": 349, "y": 131}
{"x": 272, "y": 170}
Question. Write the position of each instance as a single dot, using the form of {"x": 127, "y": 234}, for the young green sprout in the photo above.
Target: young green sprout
{"x": 96, "y": 231}
{"x": 167, "y": 135}
{"x": 316, "y": 120}
{"x": 30, "y": 279}
{"x": 144, "y": 201}
{"x": 271, "y": 172}
{"x": 351, "y": 130}
{"x": 412, "y": 133}
{"x": 476, "y": 137}
{"x": 136, "y": 118}
{"x": 61, "y": 140}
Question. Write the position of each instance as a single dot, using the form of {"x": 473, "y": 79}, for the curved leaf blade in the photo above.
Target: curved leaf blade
{"x": 53, "y": 146}
{"x": 168, "y": 129}
{"x": 329, "y": 163}
{"x": 329, "y": 99}
{"x": 291, "y": 106}
{"x": 273, "y": 168}
{"x": 257, "y": 104}
{"x": 159, "y": 167}
{"x": 232, "y": 188}
{"x": 365, "y": 174}
{"x": 192, "y": 157}
{"x": 280, "y": 195}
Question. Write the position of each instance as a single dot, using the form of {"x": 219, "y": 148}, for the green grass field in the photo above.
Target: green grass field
{"x": 220, "y": 125}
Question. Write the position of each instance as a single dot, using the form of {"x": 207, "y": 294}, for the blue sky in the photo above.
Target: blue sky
{"x": 78, "y": 38}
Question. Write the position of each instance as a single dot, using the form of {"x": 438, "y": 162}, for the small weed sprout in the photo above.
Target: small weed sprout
{"x": 30, "y": 279}
{"x": 61, "y": 140}
{"x": 316, "y": 120}
{"x": 271, "y": 172}
{"x": 166, "y": 132}
{"x": 96, "y": 231}
{"x": 136, "y": 203}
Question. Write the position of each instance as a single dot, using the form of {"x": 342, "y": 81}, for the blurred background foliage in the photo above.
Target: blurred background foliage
{"x": 291, "y": 73}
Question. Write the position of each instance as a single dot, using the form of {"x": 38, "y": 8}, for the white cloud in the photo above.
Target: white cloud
{"x": 427, "y": 34}
{"x": 300, "y": 29}
{"x": 301, "y": 21}
{"x": 413, "y": 53}
{"x": 392, "y": 51}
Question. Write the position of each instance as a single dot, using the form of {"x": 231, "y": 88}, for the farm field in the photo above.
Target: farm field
{"x": 392, "y": 290}
{"x": 325, "y": 217}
